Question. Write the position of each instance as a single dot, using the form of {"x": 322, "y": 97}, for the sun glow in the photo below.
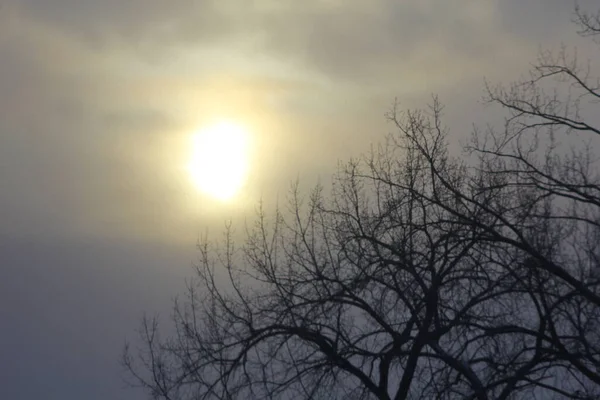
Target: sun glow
{"x": 219, "y": 159}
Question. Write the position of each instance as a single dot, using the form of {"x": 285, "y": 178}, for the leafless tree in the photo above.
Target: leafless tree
{"x": 421, "y": 275}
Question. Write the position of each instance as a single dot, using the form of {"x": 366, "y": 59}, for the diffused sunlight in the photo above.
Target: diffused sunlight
{"x": 219, "y": 159}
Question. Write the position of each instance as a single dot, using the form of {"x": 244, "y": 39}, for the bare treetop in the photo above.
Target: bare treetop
{"x": 422, "y": 276}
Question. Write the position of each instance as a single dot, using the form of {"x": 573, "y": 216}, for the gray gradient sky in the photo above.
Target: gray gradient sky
{"x": 98, "y": 100}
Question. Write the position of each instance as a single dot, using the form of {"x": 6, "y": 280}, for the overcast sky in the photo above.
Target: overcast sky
{"x": 98, "y": 100}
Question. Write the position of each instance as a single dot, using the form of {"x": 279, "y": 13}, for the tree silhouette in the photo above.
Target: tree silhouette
{"x": 422, "y": 275}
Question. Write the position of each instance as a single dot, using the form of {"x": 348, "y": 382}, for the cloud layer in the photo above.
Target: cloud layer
{"x": 98, "y": 100}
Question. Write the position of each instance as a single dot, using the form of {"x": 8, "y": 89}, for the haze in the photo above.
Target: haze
{"x": 98, "y": 99}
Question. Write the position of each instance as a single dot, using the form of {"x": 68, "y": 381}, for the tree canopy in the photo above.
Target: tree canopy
{"x": 423, "y": 275}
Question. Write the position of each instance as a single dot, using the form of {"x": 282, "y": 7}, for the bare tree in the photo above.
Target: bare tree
{"x": 420, "y": 276}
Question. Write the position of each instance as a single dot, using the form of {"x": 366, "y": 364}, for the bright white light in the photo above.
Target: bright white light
{"x": 219, "y": 159}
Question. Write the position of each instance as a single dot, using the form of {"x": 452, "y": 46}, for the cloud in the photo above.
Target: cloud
{"x": 99, "y": 23}
{"x": 97, "y": 98}
{"x": 365, "y": 41}
{"x": 353, "y": 40}
{"x": 97, "y": 95}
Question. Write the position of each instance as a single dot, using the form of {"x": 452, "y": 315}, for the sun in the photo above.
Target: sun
{"x": 218, "y": 162}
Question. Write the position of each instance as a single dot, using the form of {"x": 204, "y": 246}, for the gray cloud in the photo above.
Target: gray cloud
{"x": 366, "y": 41}
{"x": 344, "y": 40}
{"x": 85, "y": 115}
{"x": 96, "y": 98}
{"x": 135, "y": 21}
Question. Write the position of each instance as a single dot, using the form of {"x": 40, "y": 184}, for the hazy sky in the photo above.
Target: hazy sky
{"x": 99, "y": 99}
